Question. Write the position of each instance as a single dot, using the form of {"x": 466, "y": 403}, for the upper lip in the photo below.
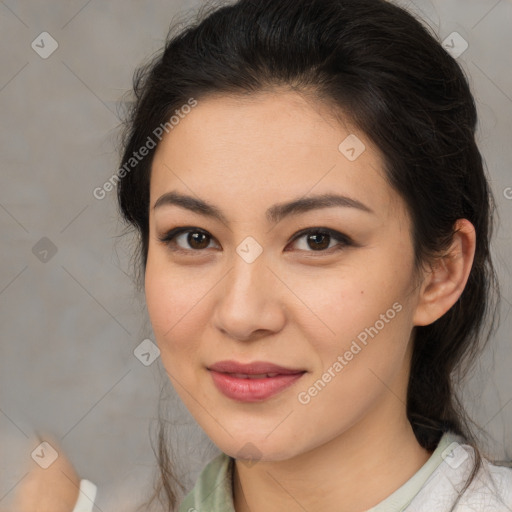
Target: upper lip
{"x": 254, "y": 368}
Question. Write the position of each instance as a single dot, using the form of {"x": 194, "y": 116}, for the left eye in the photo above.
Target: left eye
{"x": 320, "y": 239}
{"x": 317, "y": 239}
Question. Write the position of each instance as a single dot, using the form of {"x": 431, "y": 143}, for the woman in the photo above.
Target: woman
{"x": 314, "y": 224}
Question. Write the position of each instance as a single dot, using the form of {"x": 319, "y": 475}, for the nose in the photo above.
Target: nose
{"x": 250, "y": 303}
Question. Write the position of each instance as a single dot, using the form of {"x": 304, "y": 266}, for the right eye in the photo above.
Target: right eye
{"x": 196, "y": 239}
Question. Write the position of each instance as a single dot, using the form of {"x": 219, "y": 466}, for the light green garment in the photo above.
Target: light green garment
{"x": 213, "y": 489}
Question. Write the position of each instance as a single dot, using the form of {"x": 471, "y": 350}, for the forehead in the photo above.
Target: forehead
{"x": 267, "y": 147}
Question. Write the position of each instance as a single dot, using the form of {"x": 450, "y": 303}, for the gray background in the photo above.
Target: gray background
{"x": 70, "y": 323}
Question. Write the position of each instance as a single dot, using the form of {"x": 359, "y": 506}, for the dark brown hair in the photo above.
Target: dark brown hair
{"x": 379, "y": 65}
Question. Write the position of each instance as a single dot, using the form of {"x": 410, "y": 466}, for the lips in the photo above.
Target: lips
{"x": 255, "y": 368}
{"x": 251, "y": 376}
{"x": 252, "y": 382}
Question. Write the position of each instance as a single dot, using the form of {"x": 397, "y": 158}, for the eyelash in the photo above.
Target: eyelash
{"x": 343, "y": 240}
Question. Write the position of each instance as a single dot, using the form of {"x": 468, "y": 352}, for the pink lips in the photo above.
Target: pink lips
{"x": 252, "y": 382}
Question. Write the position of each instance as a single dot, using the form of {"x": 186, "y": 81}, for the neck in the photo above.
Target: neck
{"x": 353, "y": 472}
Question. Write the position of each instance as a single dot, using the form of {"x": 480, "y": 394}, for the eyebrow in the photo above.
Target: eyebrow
{"x": 274, "y": 214}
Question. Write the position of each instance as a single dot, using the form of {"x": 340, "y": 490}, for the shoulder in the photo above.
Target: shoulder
{"x": 490, "y": 490}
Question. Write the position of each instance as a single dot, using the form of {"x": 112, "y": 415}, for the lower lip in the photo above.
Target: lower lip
{"x": 252, "y": 390}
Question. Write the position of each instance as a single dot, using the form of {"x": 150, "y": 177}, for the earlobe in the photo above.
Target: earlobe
{"x": 443, "y": 286}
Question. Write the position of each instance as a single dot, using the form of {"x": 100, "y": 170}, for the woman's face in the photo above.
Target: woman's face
{"x": 246, "y": 284}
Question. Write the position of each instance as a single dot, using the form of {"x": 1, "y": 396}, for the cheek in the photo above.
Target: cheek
{"x": 172, "y": 310}
{"x": 363, "y": 315}
{"x": 362, "y": 366}
{"x": 335, "y": 304}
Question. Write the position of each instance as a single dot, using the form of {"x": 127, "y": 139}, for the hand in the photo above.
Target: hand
{"x": 54, "y": 489}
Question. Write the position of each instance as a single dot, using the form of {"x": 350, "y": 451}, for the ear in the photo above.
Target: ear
{"x": 442, "y": 287}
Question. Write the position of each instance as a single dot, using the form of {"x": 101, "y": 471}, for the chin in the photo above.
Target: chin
{"x": 256, "y": 448}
